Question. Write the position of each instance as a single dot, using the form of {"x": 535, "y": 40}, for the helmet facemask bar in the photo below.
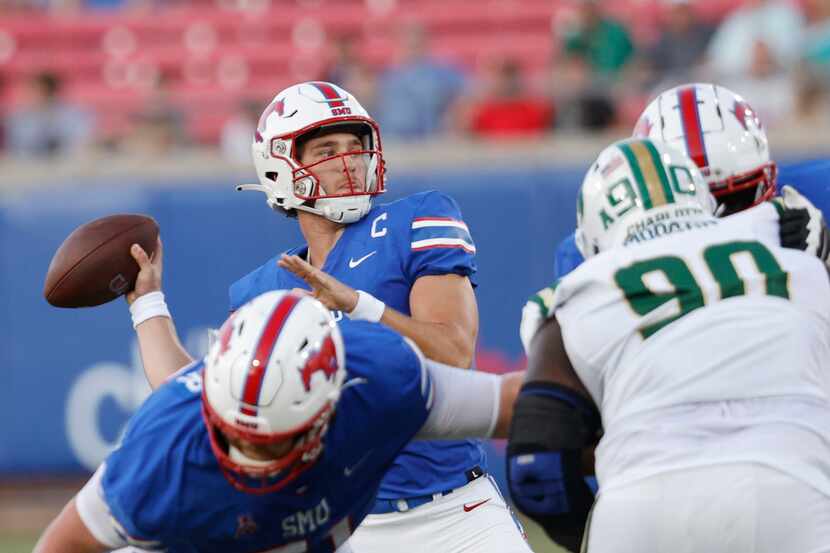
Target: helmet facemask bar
{"x": 309, "y": 193}
{"x": 307, "y": 185}
{"x": 271, "y": 382}
{"x": 271, "y": 476}
{"x": 299, "y": 114}
{"x": 737, "y": 188}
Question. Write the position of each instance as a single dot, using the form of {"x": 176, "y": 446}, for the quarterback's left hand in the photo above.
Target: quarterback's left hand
{"x": 802, "y": 225}
{"x": 331, "y": 292}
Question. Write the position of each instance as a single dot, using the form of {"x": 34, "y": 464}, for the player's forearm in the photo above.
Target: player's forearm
{"x": 465, "y": 404}
{"x": 162, "y": 354}
{"x": 511, "y": 383}
{"x": 68, "y": 534}
{"x": 442, "y": 342}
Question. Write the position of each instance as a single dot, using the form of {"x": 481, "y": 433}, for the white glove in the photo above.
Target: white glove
{"x": 535, "y": 312}
{"x": 802, "y": 225}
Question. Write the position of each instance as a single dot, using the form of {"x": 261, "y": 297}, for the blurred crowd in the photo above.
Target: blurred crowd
{"x": 599, "y": 76}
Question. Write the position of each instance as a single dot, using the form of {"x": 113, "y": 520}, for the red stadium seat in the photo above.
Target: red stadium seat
{"x": 212, "y": 53}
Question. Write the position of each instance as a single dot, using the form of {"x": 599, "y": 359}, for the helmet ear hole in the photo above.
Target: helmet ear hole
{"x": 271, "y": 175}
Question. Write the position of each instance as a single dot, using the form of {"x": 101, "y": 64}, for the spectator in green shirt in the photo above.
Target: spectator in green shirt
{"x": 603, "y": 43}
{"x": 595, "y": 49}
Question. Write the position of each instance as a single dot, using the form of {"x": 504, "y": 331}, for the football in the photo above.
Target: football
{"x": 94, "y": 265}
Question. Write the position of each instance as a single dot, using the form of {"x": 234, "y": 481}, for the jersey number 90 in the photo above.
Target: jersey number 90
{"x": 632, "y": 280}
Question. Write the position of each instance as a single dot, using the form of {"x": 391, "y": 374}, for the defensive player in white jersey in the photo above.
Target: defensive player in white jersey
{"x": 703, "y": 346}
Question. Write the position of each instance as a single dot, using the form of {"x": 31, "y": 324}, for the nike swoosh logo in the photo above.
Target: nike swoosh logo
{"x": 353, "y": 382}
{"x": 470, "y": 506}
{"x": 355, "y": 262}
{"x": 348, "y": 471}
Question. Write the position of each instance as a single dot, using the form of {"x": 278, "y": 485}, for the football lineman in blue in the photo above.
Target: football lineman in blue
{"x": 409, "y": 264}
{"x": 277, "y": 440}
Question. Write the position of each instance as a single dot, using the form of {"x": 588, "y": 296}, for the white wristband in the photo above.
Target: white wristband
{"x": 368, "y": 308}
{"x": 149, "y": 306}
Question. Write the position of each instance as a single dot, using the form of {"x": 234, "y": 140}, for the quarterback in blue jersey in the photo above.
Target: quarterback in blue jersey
{"x": 409, "y": 264}
{"x": 277, "y": 440}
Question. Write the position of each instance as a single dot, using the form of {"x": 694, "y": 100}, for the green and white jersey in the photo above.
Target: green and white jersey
{"x": 708, "y": 347}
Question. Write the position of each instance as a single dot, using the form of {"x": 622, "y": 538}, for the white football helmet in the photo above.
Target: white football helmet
{"x": 722, "y": 134}
{"x": 274, "y": 373}
{"x": 633, "y": 192}
{"x": 299, "y": 113}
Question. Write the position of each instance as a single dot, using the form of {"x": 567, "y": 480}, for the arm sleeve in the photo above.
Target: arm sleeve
{"x": 465, "y": 404}
{"x": 440, "y": 242}
{"x": 99, "y": 516}
{"x": 95, "y": 513}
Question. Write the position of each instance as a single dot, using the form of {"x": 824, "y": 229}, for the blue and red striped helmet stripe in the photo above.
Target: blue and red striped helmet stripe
{"x": 692, "y": 129}
{"x": 329, "y": 93}
{"x": 262, "y": 355}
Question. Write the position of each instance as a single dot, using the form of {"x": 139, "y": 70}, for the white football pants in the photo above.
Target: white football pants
{"x": 740, "y": 508}
{"x": 472, "y": 519}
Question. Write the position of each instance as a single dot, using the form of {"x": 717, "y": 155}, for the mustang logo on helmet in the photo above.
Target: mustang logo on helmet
{"x": 323, "y": 360}
{"x": 263, "y": 119}
{"x": 744, "y": 114}
{"x": 279, "y": 106}
{"x": 225, "y": 334}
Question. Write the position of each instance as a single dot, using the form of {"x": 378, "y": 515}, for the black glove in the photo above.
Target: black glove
{"x": 802, "y": 225}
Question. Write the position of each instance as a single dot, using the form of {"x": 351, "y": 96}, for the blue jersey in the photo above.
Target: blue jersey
{"x": 811, "y": 178}
{"x": 165, "y": 489}
{"x": 384, "y": 254}
{"x": 567, "y": 257}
